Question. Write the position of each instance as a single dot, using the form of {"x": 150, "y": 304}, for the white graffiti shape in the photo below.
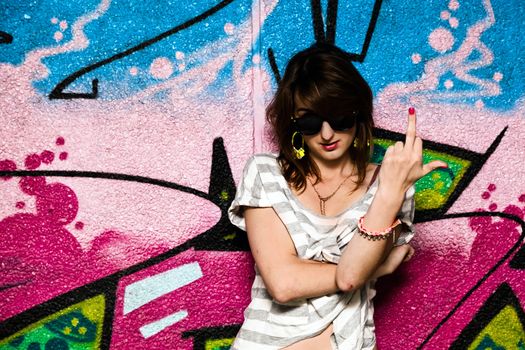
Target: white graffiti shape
{"x": 459, "y": 63}
{"x": 142, "y": 292}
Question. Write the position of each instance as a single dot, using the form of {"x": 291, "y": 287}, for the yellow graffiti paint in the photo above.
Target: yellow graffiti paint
{"x": 94, "y": 308}
{"x": 429, "y": 199}
{"x": 230, "y": 236}
{"x": 505, "y": 330}
{"x": 434, "y": 189}
{"x": 42, "y": 331}
{"x": 217, "y": 344}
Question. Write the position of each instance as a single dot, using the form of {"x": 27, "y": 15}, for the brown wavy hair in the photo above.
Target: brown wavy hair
{"x": 325, "y": 80}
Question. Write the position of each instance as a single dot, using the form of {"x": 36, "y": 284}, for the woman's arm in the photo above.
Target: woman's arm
{"x": 397, "y": 255}
{"x": 286, "y": 276}
{"x": 402, "y": 166}
{"x": 362, "y": 257}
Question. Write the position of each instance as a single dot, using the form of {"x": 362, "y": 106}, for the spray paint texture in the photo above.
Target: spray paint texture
{"x": 126, "y": 124}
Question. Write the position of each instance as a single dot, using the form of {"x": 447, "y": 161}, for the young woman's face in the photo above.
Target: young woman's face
{"x": 328, "y": 144}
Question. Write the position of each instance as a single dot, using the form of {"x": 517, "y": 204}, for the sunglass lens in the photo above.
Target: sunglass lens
{"x": 309, "y": 124}
{"x": 342, "y": 123}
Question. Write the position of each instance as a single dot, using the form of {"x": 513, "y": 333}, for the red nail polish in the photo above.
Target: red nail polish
{"x": 411, "y": 111}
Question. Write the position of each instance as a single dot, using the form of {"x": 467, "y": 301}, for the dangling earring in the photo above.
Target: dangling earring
{"x": 356, "y": 143}
{"x": 298, "y": 153}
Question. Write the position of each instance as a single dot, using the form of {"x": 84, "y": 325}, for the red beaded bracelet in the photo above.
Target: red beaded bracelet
{"x": 376, "y": 235}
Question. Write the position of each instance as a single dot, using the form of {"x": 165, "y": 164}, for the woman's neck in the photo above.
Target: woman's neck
{"x": 334, "y": 169}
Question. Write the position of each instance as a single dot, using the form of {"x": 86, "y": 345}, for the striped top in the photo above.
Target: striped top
{"x": 271, "y": 325}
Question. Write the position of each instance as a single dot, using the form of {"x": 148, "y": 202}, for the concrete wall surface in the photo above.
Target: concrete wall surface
{"x": 125, "y": 126}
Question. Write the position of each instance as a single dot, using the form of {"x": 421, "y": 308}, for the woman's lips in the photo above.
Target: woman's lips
{"x": 329, "y": 146}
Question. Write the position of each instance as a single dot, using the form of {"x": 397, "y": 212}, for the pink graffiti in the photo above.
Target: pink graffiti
{"x": 41, "y": 258}
{"x": 428, "y": 287}
{"x": 47, "y": 157}
{"x": 60, "y": 141}
{"x": 216, "y": 299}
{"x": 38, "y": 247}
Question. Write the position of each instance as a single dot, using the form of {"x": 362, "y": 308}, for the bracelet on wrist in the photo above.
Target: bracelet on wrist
{"x": 376, "y": 235}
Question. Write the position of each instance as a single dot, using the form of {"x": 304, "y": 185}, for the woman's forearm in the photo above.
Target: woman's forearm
{"x": 286, "y": 276}
{"x": 362, "y": 257}
{"x": 301, "y": 279}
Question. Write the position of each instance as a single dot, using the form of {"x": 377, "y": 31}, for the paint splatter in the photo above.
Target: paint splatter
{"x": 497, "y": 76}
{"x": 441, "y": 40}
{"x": 32, "y": 161}
{"x": 58, "y": 36}
{"x": 7, "y": 165}
{"x": 47, "y": 157}
{"x": 229, "y": 28}
{"x": 63, "y": 155}
{"x": 161, "y": 68}
{"x": 444, "y": 15}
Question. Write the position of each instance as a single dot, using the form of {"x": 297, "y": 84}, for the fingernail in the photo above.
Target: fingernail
{"x": 411, "y": 111}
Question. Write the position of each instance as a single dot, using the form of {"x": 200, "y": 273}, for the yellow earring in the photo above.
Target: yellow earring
{"x": 356, "y": 143}
{"x": 298, "y": 153}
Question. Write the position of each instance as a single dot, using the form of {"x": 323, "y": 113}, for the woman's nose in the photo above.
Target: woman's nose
{"x": 326, "y": 131}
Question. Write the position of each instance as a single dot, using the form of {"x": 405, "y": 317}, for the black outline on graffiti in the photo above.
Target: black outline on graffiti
{"x": 28, "y": 317}
{"x": 518, "y": 261}
{"x": 202, "y": 335}
{"x": 273, "y": 65}
{"x": 328, "y": 35}
{"x": 104, "y": 175}
{"x": 502, "y": 297}
{"x": 477, "y": 161}
{"x": 220, "y": 178}
{"x": 467, "y": 295}
{"x": 317, "y": 22}
{"x": 58, "y": 90}
{"x": 5, "y": 38}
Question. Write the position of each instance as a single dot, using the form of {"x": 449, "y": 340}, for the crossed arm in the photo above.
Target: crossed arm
{"x": 287, "y": 277}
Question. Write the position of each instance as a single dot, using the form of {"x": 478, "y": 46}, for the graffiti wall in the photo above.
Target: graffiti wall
{"x": 125, "y": 126}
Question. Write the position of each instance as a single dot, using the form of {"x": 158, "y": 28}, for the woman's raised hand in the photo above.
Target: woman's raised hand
{"x": 403, "y": 164}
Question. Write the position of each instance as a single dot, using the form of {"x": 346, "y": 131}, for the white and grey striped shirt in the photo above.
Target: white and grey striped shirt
{"x": 270, "y": 325}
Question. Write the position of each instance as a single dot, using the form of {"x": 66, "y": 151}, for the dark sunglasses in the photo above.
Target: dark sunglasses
{"x": 311, "y": 123}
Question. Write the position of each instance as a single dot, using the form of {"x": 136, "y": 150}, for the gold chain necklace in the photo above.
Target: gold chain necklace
{"x": 323, "y": 200}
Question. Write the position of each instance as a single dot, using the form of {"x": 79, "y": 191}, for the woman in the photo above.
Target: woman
{"x": 323, "y": 223}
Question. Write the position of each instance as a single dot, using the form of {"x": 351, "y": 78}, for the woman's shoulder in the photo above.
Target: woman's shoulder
{"x": 264, "y": 157}
{"x": 263, "y": 162}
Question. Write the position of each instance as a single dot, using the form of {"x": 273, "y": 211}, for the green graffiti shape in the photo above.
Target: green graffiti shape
{"x": 434, "y": 189}
{"x": 77, "y": 327}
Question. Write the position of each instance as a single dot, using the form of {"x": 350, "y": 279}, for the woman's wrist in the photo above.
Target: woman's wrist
{"x": 389, "y": 198}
